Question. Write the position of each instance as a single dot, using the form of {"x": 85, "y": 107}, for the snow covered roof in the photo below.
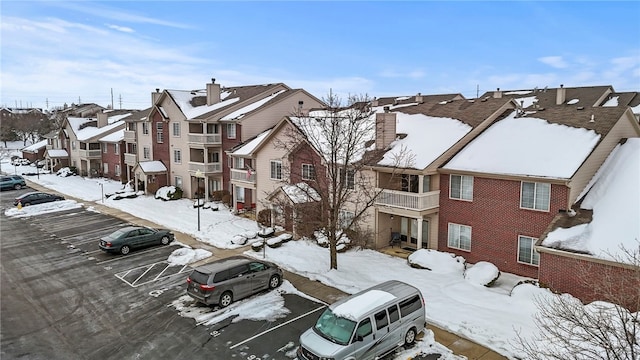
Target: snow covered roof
{"x": 301, "y": 193}
{"x": 354, "y": 308}
{"x": 154, "y": 166}
{"x": 75, "y": 122}
{"x": 240, "y": 113}
{"x": 90, "y": 132}
{"x": 614, "y": 196}
{"x": 57, "y": 153}
{"x": 36, "y": 146}
{"x": 248, "y": 147}
{"x": 113, "y": 137}
{"x": 526, "y": 146}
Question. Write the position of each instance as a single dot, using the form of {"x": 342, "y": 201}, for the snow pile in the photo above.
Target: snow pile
{"x": 482, "y": 273}
{"x": 436, "y": 261}
{"x": 186, "y": 255}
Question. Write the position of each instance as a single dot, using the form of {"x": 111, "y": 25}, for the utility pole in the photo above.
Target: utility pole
{"x": 112, "y": 98}
{"x": 120, "y": 96}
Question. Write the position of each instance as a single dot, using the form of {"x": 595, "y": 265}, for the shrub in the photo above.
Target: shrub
{"x": 264, "y": 217}
{"x": 226, "y": 199}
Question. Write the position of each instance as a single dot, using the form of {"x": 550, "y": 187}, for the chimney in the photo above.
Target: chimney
{"x": 385, "y": 129}
{"x": 155, "y": 96}
{"x": 497, "y": 94}
{"x": 419, "y": 99}
{"x": 374, "y": 102}
{"x": 213, "y": 92}
{"x": 561, "y": 95}
{"x": 103, "y": 119}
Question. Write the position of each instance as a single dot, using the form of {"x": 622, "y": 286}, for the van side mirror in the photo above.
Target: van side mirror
{"x": 359, "y": 338}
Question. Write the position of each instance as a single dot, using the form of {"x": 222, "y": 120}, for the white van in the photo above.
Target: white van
{"x": 366, "y": 325}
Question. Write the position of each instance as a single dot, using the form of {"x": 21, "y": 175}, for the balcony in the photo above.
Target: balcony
{"x": 409, "y": 201}
{"x": 243, "y": 175}
{"x": 205, "y": 139}
{"x": 129, "y": 136}
{"x": 130, "y": 159}
{"x": 206, "y": 168}
{"x": 91, "y": 154}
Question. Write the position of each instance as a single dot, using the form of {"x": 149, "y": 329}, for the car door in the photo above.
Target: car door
{"x": 362, "y": 343}
{"x": 38, "y": 199}
{"x": 259, "y": 276}
{"x": 385, "y": 338}
{"x": 146, "y": 237}
{"x": 239, "y": 281}
{"x": 133, "y": 238}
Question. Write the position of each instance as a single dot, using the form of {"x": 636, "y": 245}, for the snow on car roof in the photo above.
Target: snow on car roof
{"x": 354, "y": 308}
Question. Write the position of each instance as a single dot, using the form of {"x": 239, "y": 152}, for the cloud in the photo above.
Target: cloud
{"x": 554, "y": 61}
{"x": 121, "y": 28}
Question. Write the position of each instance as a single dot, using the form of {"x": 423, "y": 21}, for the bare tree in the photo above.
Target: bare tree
{"x": 330, "y": 151}
{"x": 600, "y": 330}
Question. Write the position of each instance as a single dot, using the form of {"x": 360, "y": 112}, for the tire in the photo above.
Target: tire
{"x": 225, "y": 299}
{"x": 124, "y": 250}
{"x": 26, "y": 204}
{"x": 165, "y": 240}
{"x": 274, "y": 281}
{"x": 17, "y": 186}
{"x": 410, "y": 337}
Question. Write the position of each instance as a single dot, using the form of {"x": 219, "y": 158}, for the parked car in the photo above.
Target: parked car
{"x": 130, "y": 237}
{"x": 36, "y": 197}
{"x": 12, "y": 182}
{"x": 223, "y": 281}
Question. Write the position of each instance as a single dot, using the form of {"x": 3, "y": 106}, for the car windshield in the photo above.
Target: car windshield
{"x": 334, "y": 328}
{"x": 118, "y": 234}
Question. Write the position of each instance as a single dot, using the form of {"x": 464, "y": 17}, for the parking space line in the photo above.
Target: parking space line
{"x": 168, "y": 276}
{"x": 276, "y": 327}
{"x": 146, "y": 271}
{"x": 138, "y": 253}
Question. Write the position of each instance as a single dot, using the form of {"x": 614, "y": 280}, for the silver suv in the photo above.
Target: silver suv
{"x": 223, "y": 281}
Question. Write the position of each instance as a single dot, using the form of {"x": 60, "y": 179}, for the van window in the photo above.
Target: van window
{"x": 221, "y": 276}
{"x": 256, "y": 266}
{"x": 198, "y": 277}
{"x": 410, "y": 305}
{"x": 393, "y": 313}
{"x": 364, "y": 328}
{"x": 381, "y": 319}
{"x": 238, "y": 271}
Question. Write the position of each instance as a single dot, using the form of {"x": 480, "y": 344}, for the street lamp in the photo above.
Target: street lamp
{"x": 198, "y": 176}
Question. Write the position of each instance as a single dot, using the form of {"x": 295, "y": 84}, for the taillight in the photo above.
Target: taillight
{"x": 188, "y": 280}
{"x": 207, "y": 287}
{"x": 107, "y": 244}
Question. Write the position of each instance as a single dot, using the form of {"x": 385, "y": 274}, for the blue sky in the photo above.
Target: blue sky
{"x": 55, "y": 52}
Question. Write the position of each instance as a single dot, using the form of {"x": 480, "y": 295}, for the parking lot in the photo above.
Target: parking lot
{"x": 63, "y": 298}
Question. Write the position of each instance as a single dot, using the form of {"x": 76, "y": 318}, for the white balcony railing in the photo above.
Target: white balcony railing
{"x": 91, "y": 154}
{"x": 130, "y": 159}
{"x": 206, "y": 168}
{"x": 205, "y": 139}
{"x": 407, "y": 200}
{"x": 243, "y": 175}
{"x": 129, "y": 136}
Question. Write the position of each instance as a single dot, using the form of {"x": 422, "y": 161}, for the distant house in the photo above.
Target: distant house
{"x": 501, "y": 191}
{"x": 113, "y": 156}
{"x": 35, "y": 152}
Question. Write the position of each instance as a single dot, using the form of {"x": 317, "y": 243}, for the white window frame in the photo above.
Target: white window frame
{"x": 146, "y": 152}
{"x": 105, "y": 148}
{"x": 231, "y": 131}
{"x": 73, "y": 145}
{"x": 117, "y": 169}
{"x": 145, "y": 128}
{"x": 345, "y": 217}
{"x": 349, "y": 179}
{"x": 454, "y": 235}
{"x": 105, "y": 168}
{"x": 308, "y": 172}
{"x": 177, "y": 156}
{"x": 533, "y": 255}
{"x": 238, "y": 162}
{"x": 116, "y": 148}
{"x": 239, "y": 194}
{"x": 177, "y": 180}
{"x": 538, "y": 204}
{"x": 465, "y": 191}
{"x": 175, "y": 129}
{"x": 159, "y": 132}
{"x": 277, "y": 170}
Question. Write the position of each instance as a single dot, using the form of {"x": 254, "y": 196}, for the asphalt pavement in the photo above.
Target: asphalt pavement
{"x": 328, "y": 294}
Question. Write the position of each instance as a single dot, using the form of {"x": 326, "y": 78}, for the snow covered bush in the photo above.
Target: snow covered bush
{"x": 437, "y": 261}
{"x": 482, "y": 273}
{"x": 257, "y": 246}
{"x": 65, "y": 171}
{"x": 169, "y": 193}
{"x": 239, "y": 240}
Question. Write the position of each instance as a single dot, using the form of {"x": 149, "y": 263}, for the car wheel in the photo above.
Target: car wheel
{"x": 125, "y": 250}
{"x": 410, "y": 337}
{"x": 26, "y": 204}
{"x": 17, "y": 187}
{"x": 274, "y": 281}
{"x": 226, "y": 299}
{"x": 165, "y": 240}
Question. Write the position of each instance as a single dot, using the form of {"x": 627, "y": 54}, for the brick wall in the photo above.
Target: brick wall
{"x": 226, "y": 145}
{"x": 113, "y": 159}
{"x": 589, "y": 281}
{"x": 161, "y": 151}
{"x": 496, "y": 220}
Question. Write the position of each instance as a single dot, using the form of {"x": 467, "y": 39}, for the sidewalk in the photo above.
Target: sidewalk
{"x": 457, "y": 344}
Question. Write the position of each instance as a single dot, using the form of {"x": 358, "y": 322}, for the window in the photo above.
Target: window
{"x": 105, "y": 148}
{"x": 105, "y": 168}
{"x": 176, "y": 129}
{"x": 73, "y": 145}
{"x": 178, "y": 181}
{"x": 364, "y": 328}
{"x": 459, "y": 237}
{"x": 276, "y": 170}
{"x": 410, "y": 183}
{"x": 461, "y": 187}
{"x": 117, "y": 170}
{"x": 381, "y": 319}
{"x": 410, "y": 305}
{"x": 393, "y": 314}
{"x": 177, "y": 156}
{"x": 145, "y": 128}
{"x": 238, "y": 163}
{"x": 239, "y": 194}
{"x": 159, "y": 134}
{"x": 231, "y": 131}
{"x": 146, "y": 152}
{"x": 535, "y": 196}
{"x": 426, "y": 183}
{"x": 526, "y": 252}
{"x": 116, "y": 149}
{"x": 345, "y": 218}
{"x": 308, "y": 172}
{"x": 348, "y": 179}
